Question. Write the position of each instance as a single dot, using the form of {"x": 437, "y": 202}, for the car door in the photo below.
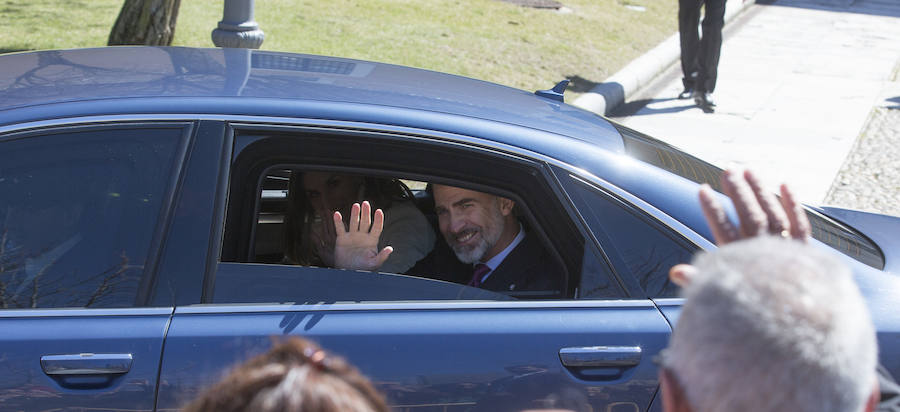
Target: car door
{"x": 82, "y": 212}
{"x": 427, "y": 344}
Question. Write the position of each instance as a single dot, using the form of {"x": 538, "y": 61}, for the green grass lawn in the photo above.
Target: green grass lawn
{"x": 486, "y": 39}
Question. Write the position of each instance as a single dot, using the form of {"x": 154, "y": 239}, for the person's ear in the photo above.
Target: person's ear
{"x": 673, "y": 396}
{"x": 874, "y": 397}
{"x": 682, "y": 274}
{"x": 506, "y": 206}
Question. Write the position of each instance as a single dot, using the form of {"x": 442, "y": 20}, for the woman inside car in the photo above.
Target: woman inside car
{"x": 330, "y": 222}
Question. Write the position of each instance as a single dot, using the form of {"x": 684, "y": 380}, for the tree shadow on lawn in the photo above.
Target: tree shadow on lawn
{"x": 5, "y": 50}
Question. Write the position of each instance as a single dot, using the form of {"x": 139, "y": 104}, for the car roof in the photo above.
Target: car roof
{"x": 137, "y": 80}
{"x": 172, "y": 74}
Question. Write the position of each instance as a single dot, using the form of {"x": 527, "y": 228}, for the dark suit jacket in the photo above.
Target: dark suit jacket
{"x": 527, "y": 268}
{"x": 441, "y": 264}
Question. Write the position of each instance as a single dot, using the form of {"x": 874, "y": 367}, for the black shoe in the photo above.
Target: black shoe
{"x": 704, "y": 99}
{"x": 687, "y": 93}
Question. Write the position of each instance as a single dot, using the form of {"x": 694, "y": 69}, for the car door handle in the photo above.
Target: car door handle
{"x": 600, "y": 356}
{"x": 87, "y": 364}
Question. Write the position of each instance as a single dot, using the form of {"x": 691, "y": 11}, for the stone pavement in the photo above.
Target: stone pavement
{"x": 870, "y": 178}
{"x": 798, "y": 80}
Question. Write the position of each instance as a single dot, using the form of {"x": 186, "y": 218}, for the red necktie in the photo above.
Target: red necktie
{"x": 480, "y": 270}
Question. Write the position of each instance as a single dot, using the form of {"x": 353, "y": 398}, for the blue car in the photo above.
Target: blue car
{"x": 144, "y": 194}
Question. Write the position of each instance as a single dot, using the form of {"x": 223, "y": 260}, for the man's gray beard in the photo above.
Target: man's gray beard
{"x": 490, "y": 235}
{"x": 473, "y": 254}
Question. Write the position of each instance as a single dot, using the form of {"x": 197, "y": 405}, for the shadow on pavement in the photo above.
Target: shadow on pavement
{"x": 640, "y": 107}
{"x": 872, "y": 7}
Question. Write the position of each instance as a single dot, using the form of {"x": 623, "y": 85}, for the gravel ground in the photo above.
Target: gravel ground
{"x": 870, "y": 177}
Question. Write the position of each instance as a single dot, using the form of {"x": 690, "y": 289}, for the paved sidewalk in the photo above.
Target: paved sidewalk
{"x": 798, "y": 80}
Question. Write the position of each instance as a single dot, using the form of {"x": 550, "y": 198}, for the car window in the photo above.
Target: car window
{"x": 638, "y": 244}
{"x": 264, "y": 228}
{"x": 78, "y": 210}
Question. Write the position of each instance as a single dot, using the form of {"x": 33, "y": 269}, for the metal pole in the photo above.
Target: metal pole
{"x": 237, "y": 28}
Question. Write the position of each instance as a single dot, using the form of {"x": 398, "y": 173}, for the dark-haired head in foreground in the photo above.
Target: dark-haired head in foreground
{"x": 294, "y": 376}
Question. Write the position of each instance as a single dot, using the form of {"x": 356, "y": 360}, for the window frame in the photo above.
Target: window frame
{"x": 321, "y": 156}
{"x": 569, "y": 180}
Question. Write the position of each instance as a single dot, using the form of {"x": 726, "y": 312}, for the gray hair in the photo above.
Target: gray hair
{"x": 773, "y": 325}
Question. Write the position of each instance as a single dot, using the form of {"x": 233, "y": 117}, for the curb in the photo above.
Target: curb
{"x": 606, "y": 96}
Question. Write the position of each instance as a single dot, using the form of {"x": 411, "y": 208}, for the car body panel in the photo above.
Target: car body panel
{"x": 191, "y": 249}
{"x": 29, "y": 335}
{"x": 431, "y": 355}
{"x": 882, "y": 229}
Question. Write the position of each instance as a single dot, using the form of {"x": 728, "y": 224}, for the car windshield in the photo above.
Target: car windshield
{"x": 828, "y": 231}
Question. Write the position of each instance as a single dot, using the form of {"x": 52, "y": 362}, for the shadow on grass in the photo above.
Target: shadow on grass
{"x": 579, "y": 84}
{"x": 3, "y": 50}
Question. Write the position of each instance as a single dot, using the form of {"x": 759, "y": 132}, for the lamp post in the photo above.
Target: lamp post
{"x": 237, "y": 28}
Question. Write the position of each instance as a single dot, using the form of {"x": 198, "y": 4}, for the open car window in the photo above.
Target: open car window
{"x": 273, "y": 254}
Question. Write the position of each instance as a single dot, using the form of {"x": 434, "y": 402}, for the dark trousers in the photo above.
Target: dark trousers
{"x": 700, "y": 56}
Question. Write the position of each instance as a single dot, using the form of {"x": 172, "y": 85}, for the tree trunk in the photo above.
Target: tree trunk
{"x": 145, "y": 22}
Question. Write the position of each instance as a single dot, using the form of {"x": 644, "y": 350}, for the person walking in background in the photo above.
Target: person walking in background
{"x": 700, "y": 55}
{"x": 294, "y": 376}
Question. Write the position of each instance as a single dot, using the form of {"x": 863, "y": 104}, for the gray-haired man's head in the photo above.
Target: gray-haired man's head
{"x": 772, "y": 325}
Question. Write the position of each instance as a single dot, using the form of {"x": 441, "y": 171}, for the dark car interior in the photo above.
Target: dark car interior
{"x": 269, "y": 233}
{"x": 273, "y": 203}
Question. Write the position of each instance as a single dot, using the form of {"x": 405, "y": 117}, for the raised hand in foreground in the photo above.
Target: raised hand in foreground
{"x": 759, "y": 213}
{"x": 356, "y": 246}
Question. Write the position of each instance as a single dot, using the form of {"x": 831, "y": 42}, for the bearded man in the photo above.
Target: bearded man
{"x": 491, "y": 249}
